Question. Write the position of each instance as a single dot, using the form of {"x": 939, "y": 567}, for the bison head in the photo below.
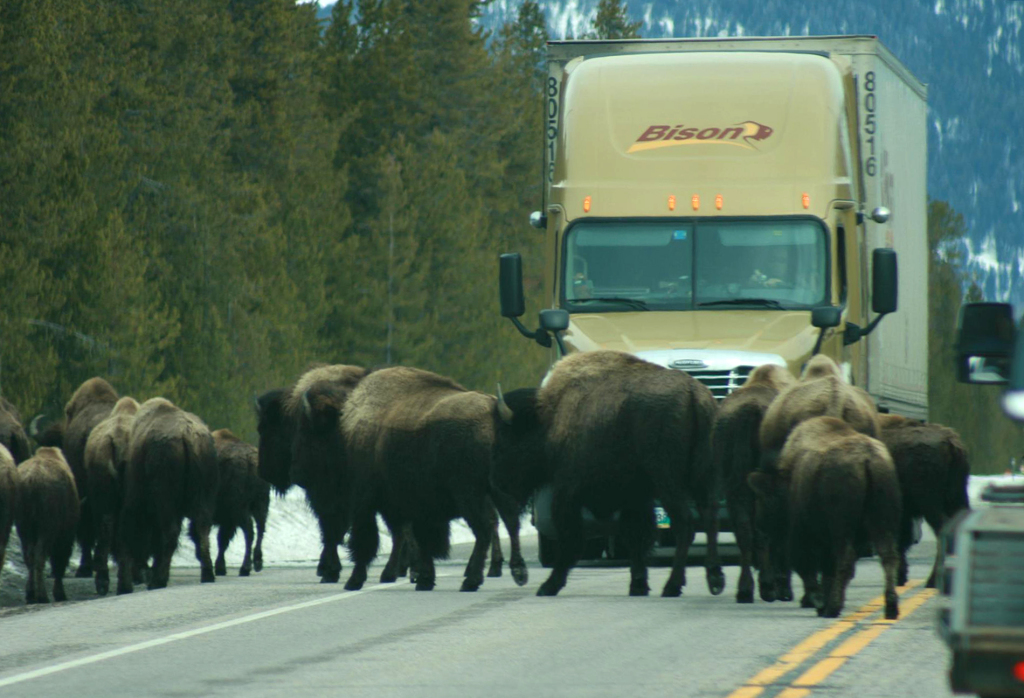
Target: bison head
{"x": 277, "y": 430}
{"x": 519, "y": 461}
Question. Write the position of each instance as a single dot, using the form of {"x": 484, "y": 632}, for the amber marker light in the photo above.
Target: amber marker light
{"x": 695, "y": 202}
{"x": 806, "y": 199}
{"x": 671, "y": 202}
{"x": 586, "y": 204}
{"x": 719, "y": 201}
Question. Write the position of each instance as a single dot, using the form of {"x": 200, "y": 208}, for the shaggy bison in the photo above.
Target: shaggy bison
{"x": 12, "y": 433}
{"x": 88, "y": 406}
{"x": 106, "y": 451}
{"x": 171, "y": 473}
{"x": 419, "y": 448}
{"x": 821, "y": 391}
{"x": 831, "y": 483}
{"x": 737, "y": 452}
{"x": 46, "y": 515}
{"x": 611, "y": 432}
{"x": 300, "y": 443}
{"x": 8, "y": 499}
{"x": 932, "y": 466}
{"x": 242, "y": 497}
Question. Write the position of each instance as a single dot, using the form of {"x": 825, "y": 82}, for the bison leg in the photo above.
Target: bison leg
{"x": 885, "y": 546}
{"x": 399, "y": 541}
{"x": 86, "y": 539}
{"x": 497, "y": 556}
{"x": 59, "y": 558}
{"x": 426, "y": 575}
{"x": 906, "y": 539}
{"x": 568, "y": 520}
{"x": 637, "y": 526}
{"x": 101, "y": 560}
{"x": 225, "y": 533}
{"x": 482, "y": 521}
{"x": 246, "y": 567}
{"x": 836, "y": 575}
{"x": 510, "y": 512}
{"x": 332, "y": 530}
{"x": 744, "y": 531}
{"x": 206, "y": 574}
{"x": 165, "y": 541}
{"x": 936, "y": 521}
{"x": 682, "y": 531}
{"x": 257, "y": 553}
{"x": 713, "y": 572}
{"x": 363, "y": 543}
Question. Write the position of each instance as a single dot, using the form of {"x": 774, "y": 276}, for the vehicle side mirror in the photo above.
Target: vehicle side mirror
{"x": 554, "y": 319}
{"x": 538, "y": 220}
{"x": 884, "y": 281}
{"x": 826, "y": 316}
{"x": 510, "y": 282}
{"x": 985, "y": 344}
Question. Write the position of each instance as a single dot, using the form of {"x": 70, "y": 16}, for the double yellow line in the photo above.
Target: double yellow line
{"x": 792, "y": 660}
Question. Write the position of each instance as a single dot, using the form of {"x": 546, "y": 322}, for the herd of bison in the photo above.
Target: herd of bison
{"x": 812, "y": 474}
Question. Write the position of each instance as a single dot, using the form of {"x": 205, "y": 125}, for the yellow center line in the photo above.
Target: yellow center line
{"x": 826, "y": 667}
{"x": 810, "y": 646}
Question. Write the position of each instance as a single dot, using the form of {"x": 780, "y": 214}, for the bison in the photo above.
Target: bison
{"x": 831, "y": 482}
{"x": 106, "y": 451}
{"x": 418, "y": 450}
{"x": 88, "y": 406}
{"x": 8, "y": 499}
{"x": 737, "y": 453}
{"x": 300, "y": 443}
{"x": 242, "y": 497}
{"x": 933, "y": 470}
{"x": 612, "y": 432}
{"x": 171, "y": 473}
{"x": 46, "y": 515}
{"x": 12, "y": 433}
{"x": 821, "y": 391}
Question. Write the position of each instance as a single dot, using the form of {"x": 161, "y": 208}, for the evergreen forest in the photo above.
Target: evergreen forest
{"x": 200, "y": 199}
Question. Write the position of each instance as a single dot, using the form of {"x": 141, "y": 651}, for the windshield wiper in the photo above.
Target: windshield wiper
{"x": 763, "y": 302}
{"x": 632, "y": 302}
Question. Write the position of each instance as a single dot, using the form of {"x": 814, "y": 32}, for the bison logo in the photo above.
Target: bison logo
{"x": 746, "y": 134}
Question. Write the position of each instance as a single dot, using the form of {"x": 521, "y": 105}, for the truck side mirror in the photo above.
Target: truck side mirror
{"x": 554, "y": 320}
{"x": 985, "y": 344}
{"x": 510, "y": 284}
{"x": 884, "y": 281}
{"x": 826, "y": 316}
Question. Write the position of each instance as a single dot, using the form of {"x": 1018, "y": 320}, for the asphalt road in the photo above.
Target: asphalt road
{"x": 280, "y": 633}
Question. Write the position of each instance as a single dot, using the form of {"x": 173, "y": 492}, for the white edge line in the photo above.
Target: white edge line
{"x": 102, "y": 656}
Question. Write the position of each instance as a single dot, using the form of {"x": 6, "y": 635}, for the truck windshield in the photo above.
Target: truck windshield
{"x": 679, "y": 265}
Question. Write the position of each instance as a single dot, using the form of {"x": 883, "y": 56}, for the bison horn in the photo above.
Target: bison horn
{"x": 33, "y": 426}
{"x": 504, "y": 411}
{"x": 307, "y": 409}
{"x": 256, "y": 404}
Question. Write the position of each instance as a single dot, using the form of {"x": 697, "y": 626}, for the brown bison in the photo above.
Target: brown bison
{"x": 242, "y": 497}
{"x": 300, "y": 443}
{"x": 88, "y": 406}
{"x": 611, "y": 432}
{"x": 12, "y": 433}
{"x": 106, "y": 452}
{"x": 8, "y": 499}
{"x": 831, "y": 483}
{"x": 46, "y": 516}
{"x": 821, "y": 391}
{"x": 418, "y": 449}
{"x": 171, "y": 473}
{"x": 737, "y": 453}
{"x": 933, "y": 469}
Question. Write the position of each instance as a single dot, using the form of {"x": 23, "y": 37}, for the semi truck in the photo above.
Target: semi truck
{"x": 711, "y": 205}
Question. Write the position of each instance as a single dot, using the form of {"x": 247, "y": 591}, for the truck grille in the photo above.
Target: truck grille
{"x": 997, "y": 596}
{"x": 722, "y": 382}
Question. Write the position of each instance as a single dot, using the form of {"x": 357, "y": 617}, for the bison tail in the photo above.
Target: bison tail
{"x": 883, "y": 504}
{"x": 201, "y": 475}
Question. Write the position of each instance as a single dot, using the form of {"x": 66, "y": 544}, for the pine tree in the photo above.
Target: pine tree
{"x": 612, "y": 22}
